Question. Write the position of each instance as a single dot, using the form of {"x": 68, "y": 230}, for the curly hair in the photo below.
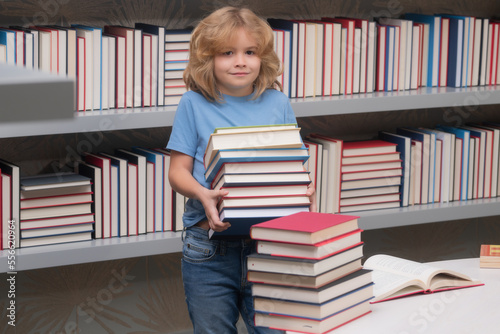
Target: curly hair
{"x": 210, "y": 37}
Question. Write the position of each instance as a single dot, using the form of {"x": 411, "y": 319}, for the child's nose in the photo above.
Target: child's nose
{"x": 240, "y": 59}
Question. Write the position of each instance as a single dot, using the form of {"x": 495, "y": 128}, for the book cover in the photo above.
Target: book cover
{"x": 305, "y": 227}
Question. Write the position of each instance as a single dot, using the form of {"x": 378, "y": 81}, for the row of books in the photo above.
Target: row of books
{"x": 114, "y": 66}
{"x": 122, "y": 194}
{"x": 307, "y": 274}
{"x": 407, "y": 167}
{"x": 141, "y": 66}
{"x": 343, "y": 55}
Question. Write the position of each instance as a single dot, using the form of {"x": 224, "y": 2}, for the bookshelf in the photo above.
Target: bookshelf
{"x": 136, "y": 118}
{"x": 169, "y": 242}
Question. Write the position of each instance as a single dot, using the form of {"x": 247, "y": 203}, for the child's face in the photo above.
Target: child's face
{"x": 237, "y": 66}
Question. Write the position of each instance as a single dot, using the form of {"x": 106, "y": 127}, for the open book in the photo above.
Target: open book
{"x": 395, "y": 277}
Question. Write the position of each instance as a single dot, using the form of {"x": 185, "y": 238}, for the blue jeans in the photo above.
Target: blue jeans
{"x": 214, "y": 276}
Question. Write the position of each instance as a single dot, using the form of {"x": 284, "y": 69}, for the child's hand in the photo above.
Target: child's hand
{"x": 209, "y": 200}
{"x": 311, "y": 193}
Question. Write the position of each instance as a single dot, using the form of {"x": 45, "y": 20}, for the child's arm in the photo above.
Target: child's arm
{"x": 182, "y": 181}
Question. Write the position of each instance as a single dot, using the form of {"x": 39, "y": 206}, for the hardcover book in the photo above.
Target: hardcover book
{"x": 396, "y": 277}
{"x": 307, "y": 228}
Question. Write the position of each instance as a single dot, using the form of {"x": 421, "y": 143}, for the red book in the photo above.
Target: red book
{"x": 306, "y": 228}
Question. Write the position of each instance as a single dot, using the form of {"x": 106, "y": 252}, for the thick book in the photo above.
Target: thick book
{"x": 308, "y": 267}
{"x": 396, "y": 277}
{"x": 348, "y": 282}
{"x": 302, "y": 281}
{"x": 317, "y": 311}
{"x": 317, "y": 251}
{"x": 489, "y": 256}
{"x": 308, "y": 228}
{"x": 261, "y": 138}
{"x": 305, "y": 325}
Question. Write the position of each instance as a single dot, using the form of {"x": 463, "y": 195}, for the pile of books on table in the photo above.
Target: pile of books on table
{"x": 262, "y": 168}
{"x": 307, "y": 274}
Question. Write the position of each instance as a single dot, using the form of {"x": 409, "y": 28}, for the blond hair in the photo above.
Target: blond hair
{"x": 210, "y": 37}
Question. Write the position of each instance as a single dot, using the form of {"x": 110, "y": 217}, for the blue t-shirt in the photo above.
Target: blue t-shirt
{"x": 196, "y": 118}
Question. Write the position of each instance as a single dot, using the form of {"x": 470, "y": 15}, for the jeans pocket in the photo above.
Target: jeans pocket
{"x": 197, "y": 247}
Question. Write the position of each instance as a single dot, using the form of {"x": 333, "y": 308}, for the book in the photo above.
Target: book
{"x": 251, "y": 190}
{"x": 56, "y": 239}
{"x": 263, "y": 201}
{"x": 396, "y": 277}
{"x": 242, "y": 219}
{"x": 320, "y": 294}
{"x": 57, "y": 221}
{"x": 315, "y": 282}
{"x": 263, "y": 138}
{"x": 308, "y": 267}
{"x": 139, "y": 161}
{"x": 104, "y": 163}
{"x": 14, "y": 171}
{"x": 331, "y": 168}
{"x": 489, "y": 256}
{"x": 307, "y": 228}
{"x": 265, "y": 167}
{"x": 253, "y": 155}
{"x": 317, "y": 311}
{"x": 94, "y": 173}
{"x": 311, "y": 325}
{"x": 237, "y": 180}
{"x": 403, "y": 145}
{"x": 317, "y": 251}
{"x": 365, "y": 147}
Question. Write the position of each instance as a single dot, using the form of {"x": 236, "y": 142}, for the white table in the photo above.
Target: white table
{"x": 468, "y": 311}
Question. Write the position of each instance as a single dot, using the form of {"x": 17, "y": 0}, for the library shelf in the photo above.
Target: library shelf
{"x": 91, "y": 251}
{"x": 152, "y": 117}
{"x": 428, "y": 213}
{"x": 170, "y": 242}
{"x": 421, "y": 98}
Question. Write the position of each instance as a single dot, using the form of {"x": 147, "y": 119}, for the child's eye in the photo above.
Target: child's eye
{"x": 250, "y": 52}
{"x": 227, "y": 53}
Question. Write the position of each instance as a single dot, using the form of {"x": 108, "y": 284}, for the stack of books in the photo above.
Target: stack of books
{"x": 370, "y": 176}
{"x": 262, "y": 168}
{"x": 307, "y": 274}
{"x": 55, "y": 208}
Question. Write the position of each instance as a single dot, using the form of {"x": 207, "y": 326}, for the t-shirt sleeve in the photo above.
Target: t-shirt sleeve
{"x": 184, "y": 135}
